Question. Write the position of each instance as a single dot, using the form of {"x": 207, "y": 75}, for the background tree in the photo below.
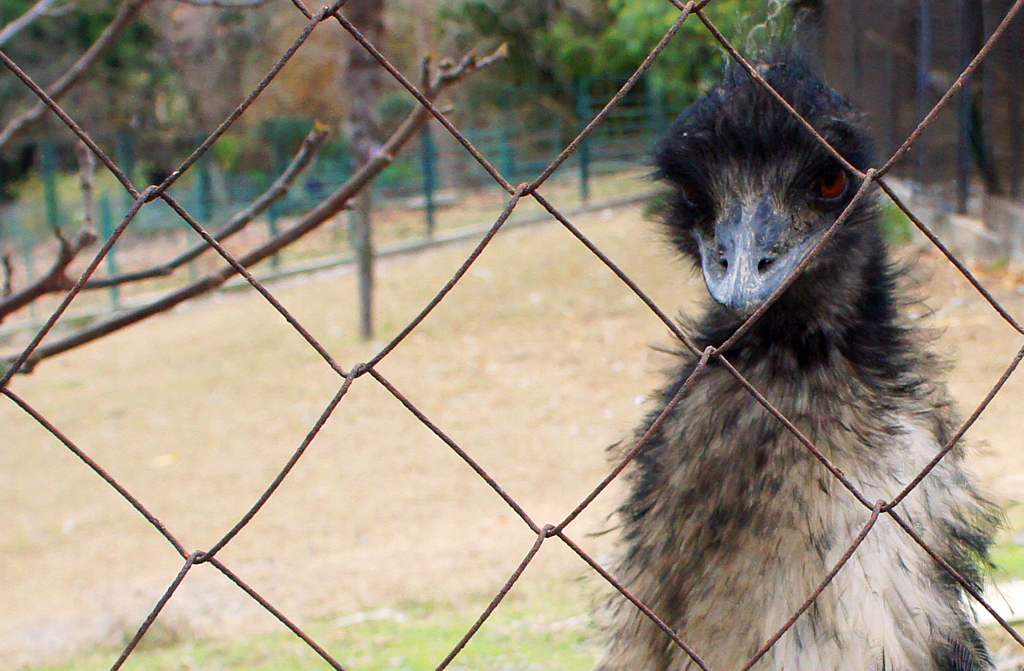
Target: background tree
{"x": 62, "y": 48}
{"x": 555, "y": 45}
{"x": 365, "y": 85}
{"x": 377, "y": 153}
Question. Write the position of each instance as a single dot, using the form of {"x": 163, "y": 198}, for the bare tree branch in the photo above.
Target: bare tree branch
{"x": 55, "y": 279}
{"x": 126, "y": 12}
{"x": 448, "y": 74}
{"x": 310, "y": 145}
{"x": 38, "y": 9}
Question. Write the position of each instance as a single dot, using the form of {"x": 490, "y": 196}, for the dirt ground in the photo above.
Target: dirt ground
{"x": 534, "y": 364}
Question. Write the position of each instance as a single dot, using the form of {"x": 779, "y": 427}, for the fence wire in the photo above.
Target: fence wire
{"x": 361, "y": 373}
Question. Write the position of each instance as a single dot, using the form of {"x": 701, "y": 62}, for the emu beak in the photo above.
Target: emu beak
{"x": 755, "y": 248}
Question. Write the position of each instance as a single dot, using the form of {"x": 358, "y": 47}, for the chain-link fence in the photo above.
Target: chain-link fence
{"x": 353, "y": 375}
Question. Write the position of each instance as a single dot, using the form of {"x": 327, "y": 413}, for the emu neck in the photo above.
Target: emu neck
{"x": 820, "y": 318}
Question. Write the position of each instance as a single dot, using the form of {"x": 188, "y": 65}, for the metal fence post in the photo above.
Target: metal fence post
{"x": 204, "y": 202}
{"x": 107, "y": 230}
{"x": 508, "y": 159}
{"x": 204, "y": 190}
{"x": 126, "y": 160}
{"x": 272, "y": 214}
{"x": 49, "y": 156}
{"x": 582, "y": 114}
{"x": 655, "y": 108}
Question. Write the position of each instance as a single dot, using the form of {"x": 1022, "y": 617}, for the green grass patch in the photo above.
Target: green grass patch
{"x": 1007, "y": 555}
{"x": 897, "y": 227}
{"x": 547, "y": 629}
{"x": 1009, "y": 562}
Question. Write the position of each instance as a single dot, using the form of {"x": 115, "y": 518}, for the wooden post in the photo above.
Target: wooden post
{"x": 362, "y": 240}
{"x": 364, "y": 87}
{"x": 428, "y": 156}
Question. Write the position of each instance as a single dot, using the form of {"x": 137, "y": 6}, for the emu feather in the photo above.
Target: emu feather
{"x": 730, "y": 522}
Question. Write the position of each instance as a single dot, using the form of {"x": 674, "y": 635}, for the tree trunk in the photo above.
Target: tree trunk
{"x": 365, "y": 81}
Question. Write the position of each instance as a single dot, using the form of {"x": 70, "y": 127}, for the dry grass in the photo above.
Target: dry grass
{"x": 533, "y": 364}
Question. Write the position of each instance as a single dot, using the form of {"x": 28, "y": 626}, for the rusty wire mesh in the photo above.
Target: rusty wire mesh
{"x": 350, "y": 375}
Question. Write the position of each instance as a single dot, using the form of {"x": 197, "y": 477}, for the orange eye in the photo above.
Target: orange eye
{"x": 833, "y": 186}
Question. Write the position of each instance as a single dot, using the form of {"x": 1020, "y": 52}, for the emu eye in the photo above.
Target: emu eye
{"x": 832, "y": 186}
{"x": 689, "y": 197}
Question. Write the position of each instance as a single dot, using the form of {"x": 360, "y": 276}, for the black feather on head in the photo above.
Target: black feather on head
{"x": 751, "y": 190}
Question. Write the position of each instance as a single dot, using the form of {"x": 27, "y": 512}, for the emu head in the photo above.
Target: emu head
{"x": 752, "y": 191}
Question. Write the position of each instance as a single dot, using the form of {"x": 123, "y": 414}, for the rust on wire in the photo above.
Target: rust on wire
{"x": 240, "y": 268}
{"x": 283, "y": 473}
{"x": 427, "y": 103}
{"x": 543, "y": 535}
{"x": 957, "y": 263}
{"x": 281, "y": 617}
{"x": 643, "y": 440}
{"x": 956, "y": 86}
{"x": 825, "y": 582}
{"x": 626, "y": 279}
{"x": 963, "y": 582}
{"x": 641, "y": 606}
{"x": 69, "y": 122}
{"x": 473, "y": 256}
{"x": 465, "y": 456}
{"x": 251, "y": 98}
{"x": 756, "y": 76}
{"x": 24, "y": 359}
{"x": 811, "y": 255}
{"x": 619, "y": 95}
{"x": 302, "y": 160}
{"x": 99, "y": 470}
{"x": 962, "y": 430}
{"x": 151, "y": 618}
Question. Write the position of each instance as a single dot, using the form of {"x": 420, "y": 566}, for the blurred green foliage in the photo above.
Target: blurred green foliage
{"x": 554, "y": 45}
{"x": 898, "y": 228}
{"x": 48, "y": 46}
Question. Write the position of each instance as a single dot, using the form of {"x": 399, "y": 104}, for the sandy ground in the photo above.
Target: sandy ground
{"x": 534, "y": 364}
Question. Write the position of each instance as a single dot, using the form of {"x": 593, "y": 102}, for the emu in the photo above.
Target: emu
{"x": 730, "y": 523}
